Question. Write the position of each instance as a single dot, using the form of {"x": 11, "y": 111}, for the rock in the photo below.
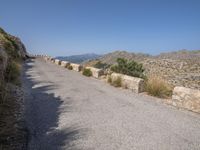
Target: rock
{"x": 12, "y": 45}
{"x": 65, "y": 64}
{"x": 76, "y": 67}
{"x": 129, "y": 82}
{"x": 186, "y": 98}
{"x": 96, "y": 72}
{"x": 57, "y": 62}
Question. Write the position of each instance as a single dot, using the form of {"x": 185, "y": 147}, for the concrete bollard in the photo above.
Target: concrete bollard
{"x": 96, "y": 72}
{"x": 57, "y": 62}
{"x": 133, "y": 83}
{"x": 76, "y": 67}
{"x": 65, "y": 64}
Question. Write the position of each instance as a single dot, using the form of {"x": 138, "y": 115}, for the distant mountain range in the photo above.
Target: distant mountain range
{"x": 79, "y": 58}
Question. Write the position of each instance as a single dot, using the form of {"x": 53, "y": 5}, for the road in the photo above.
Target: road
{"x": 68, "y": 111}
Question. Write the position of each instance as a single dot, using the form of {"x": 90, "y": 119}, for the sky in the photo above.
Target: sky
{"x": 68, "y": 27}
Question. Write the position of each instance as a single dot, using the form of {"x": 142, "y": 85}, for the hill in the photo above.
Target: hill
{"x": 179, "y": 68}
{"x": 111, "y": 58}
{"x": 79, "y": 58}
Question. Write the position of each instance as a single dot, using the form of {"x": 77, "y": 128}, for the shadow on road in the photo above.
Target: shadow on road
{"x": 42, "y": 111}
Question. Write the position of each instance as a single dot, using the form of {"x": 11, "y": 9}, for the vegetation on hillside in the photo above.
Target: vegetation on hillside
{"x": 130, "y": 68}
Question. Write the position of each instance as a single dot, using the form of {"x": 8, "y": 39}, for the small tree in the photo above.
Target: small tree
{"x": 130, "y": 68}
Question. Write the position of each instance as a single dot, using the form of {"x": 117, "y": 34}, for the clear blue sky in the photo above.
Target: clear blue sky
{"x": 65, "y": 27}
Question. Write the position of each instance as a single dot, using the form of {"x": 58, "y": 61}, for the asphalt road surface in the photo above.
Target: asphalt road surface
{"x": 68, "y": 111}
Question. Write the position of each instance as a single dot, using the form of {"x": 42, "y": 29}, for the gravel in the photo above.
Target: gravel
{"x": 65, "y": 110}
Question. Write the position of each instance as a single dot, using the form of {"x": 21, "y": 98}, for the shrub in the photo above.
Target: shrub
{"x": 117, "y": 82}
{"x": 12, "y": 72}
{"x": 130, "y": 68}
{"x": 87, "y": 72}
{"x": 101, "y": 65}
{"x": 69, "y": 67}
{"x": 156, "y": 86}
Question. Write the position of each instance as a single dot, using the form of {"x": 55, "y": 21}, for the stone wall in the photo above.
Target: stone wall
{"x": 65, "y": 64}
{"x": 182, "y": 97}
{"x": 96, "y": 72}
{"x": 186, "y": 98}
{"x": 57, "y": 62}
{"x": 133, "y": 83}
{"x": 76, "y": 67}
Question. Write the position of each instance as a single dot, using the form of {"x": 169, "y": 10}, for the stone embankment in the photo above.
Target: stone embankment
{"x": 182, "y": 97}
{"x": 132, "y": 83}
{"x": 186, "y": 98}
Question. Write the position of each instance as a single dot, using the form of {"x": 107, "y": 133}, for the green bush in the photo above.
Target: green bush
{"x": 69, "y": 67}
{"x": 87, "y": 72}
{"x": 130, "y": 68}
{"x": 156, "y": 86}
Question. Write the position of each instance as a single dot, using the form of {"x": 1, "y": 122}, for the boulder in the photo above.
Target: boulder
{"x": 186, "y": 98}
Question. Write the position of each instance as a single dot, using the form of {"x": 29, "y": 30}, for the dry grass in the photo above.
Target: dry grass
{"x": 109, "y": 79}
{"x": 13, "y": 72}
{"x": 158, "y": 87}
{"x": 117, "y": 82}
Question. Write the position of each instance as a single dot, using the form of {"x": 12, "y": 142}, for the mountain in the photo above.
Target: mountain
{"x": 111, "y": 58}
{"x": 79, "y": 58}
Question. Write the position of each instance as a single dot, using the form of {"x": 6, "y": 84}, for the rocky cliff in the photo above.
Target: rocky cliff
{"x": 11, "y": 49}
{"x": 12, "y": 53}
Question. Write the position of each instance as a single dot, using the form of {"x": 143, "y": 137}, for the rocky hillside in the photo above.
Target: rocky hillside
{"x": 178, "y": 68}
{"x": 12, "y": 53}
{"x": 11, "y": 50}
{"x": 184, "y": 55}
